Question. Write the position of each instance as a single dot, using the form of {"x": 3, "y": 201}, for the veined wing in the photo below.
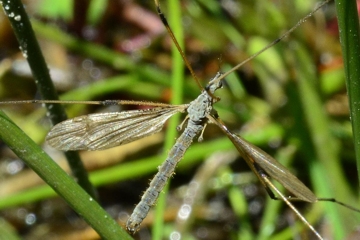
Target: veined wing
{"x": 273, "y": 168}
{"x": 106, "y": 130}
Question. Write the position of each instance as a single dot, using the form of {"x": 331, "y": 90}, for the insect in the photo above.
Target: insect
{"x": 101, "y": 131}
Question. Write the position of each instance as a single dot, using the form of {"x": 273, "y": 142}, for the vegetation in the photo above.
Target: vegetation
{"x": 291, "y": 101}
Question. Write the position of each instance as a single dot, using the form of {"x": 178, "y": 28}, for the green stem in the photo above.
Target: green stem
{"x": 31, "y": 51}
{"x": 177, "y": 78}
{"x": 59, "y": 181}
{"x": 348, "y": 21}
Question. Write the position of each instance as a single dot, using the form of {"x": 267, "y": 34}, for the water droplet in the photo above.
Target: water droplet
{"x": 175, "y": 236}
{"x": 30, "y": 219}
{"x": 15, "y": 166}
{"x": 24, "y": 53}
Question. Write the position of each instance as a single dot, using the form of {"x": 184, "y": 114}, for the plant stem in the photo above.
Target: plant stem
{"x": 348, "y": 22}
{"x": 29, "y": 46}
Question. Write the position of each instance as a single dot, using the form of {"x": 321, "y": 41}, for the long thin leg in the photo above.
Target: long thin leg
{"x": 266, "y": 179}
{"x": 104, "y": 103}
{"x": 277, "y": 40}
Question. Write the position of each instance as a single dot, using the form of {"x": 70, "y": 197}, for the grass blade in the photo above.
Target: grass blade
{"x": 31, "y": 51}
{"x": 348, "y": 22}
{"x": 59, "y": 180}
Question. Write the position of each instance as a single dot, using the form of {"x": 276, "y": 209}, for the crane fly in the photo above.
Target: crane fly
{"x": 106, "y": 130}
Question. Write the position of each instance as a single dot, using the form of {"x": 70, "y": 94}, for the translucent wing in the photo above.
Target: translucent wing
{"x": 106, "y": 130}
{"x": 254, "y": 155}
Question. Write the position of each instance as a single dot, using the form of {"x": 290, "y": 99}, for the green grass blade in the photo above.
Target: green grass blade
{"x": 348, "y": 22}
{"x": 177, "y": 79}
{"x": 321, "y": 146}
{"x": 7, "y": 231}
{"x": 32, "y": 52}
{"x": 59, "y": 180}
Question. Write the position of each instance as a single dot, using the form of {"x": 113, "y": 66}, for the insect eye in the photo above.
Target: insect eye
{"x": 207, "y": 87}
{"x": 221, "y": 84}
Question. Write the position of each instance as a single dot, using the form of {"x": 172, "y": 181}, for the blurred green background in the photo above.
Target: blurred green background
{"x": 291, "y": 101}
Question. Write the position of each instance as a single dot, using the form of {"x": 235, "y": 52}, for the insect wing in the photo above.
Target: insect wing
{"x": 273, "y": 168}
{"x": 106, "y": 130}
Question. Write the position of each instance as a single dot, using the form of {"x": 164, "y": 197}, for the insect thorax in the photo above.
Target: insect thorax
{"x": 201, "y": 107}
